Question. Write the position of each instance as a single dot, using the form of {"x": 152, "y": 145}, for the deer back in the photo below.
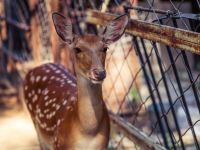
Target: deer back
{"x": 50, "y": 94}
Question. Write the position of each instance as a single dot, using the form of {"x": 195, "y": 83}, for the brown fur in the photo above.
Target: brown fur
{"x": 69, "y": 113}
{"x": 85, "y": 121}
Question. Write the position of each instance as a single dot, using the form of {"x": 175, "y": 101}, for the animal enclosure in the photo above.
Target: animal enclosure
{"x": 152, "y": 85}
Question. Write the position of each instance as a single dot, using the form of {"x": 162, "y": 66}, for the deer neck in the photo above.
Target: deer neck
{"x": 90, "y": 104}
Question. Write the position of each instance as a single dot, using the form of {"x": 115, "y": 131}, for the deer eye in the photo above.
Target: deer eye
{"x": 77, "y": 50}
{"x": 105, "y": 49}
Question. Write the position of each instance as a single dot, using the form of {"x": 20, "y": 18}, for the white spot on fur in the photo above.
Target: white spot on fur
{"x": 32, "y": 79}
{"x": 43, "y": 125}
{"x": 62, "y": 80}
{"x": 46, "y": 97}
{"x": 58, "y": 122}
{"x": 54, "y": 105}
{"x": 46, "y": 111}
{"x": 63, "y": 75}
{"x": 46, "y": 103}
{"x": 26, "y": 87}
{"x": 57, "y": 107}
{"x": 58, "y": 71}
{"x": 52, "y": 77}
{"x": 58, "y": 79}
{"x": 52, "y": 67}
{"x": 41, "y": 115}
{"x": 44, "y": 78}
{"x": 55, "y": 139}
{"x": 38, "y": 110}
{"x": 30, "y": 106}
{"x": 69, "y": 81}
{"x": 73, "y": 84}
{"x": 53, "y": 113}
{"x": 29, "y": 95}
{"x": 48, "y": 129}
{"x": 33, "y": 92}
{"x": 37, "y": 78}
{"x": 48, "y": 116}
{"x": 45, "y": 91}
{"x": 38, "y": 120}
{"x": 73, "y": 98}
{"x": 39, "y": 91}
{"x": 64, "y": 102}
{"x": 35, "y": 98}
{"x": 68, "y": 93}
{"x": 47, "y": 70}
{"x": 69, "y": 107}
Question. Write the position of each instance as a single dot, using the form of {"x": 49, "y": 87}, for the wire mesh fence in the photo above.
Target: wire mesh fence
{"x": 150, "y": 85}
{"x": 163, "y": 96}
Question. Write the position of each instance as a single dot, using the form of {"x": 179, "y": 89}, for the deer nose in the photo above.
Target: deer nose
{"x": 99, "y": 74}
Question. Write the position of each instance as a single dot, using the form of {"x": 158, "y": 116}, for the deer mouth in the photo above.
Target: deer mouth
{"x": 95, "y": 81}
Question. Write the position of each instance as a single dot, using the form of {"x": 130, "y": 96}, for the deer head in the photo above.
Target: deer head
{"x": 89, "y": 51}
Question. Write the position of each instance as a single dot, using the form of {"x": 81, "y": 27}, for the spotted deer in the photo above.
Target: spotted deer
{"x": 68, "y": 112}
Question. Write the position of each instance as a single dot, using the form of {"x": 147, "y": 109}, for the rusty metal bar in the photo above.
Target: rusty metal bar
{"x": 177, "y": 38}
{"x": 134, "y": 134}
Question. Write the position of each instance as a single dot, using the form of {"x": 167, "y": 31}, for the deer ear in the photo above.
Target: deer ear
{"x": 63, "y": 27}
{"x": 115, "y": 29}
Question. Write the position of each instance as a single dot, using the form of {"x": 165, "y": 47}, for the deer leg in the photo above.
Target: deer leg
{"x": 42, "y": 144}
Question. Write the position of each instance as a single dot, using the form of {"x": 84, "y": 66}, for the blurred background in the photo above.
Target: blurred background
{"x": 152, "y": 89}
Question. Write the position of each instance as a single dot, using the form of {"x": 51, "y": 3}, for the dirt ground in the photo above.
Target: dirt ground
{"x": 16, "y": 130}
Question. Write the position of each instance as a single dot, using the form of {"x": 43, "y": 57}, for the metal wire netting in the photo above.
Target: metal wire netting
{"x": 153, "y": 86}
{"x": 162, "y": 99}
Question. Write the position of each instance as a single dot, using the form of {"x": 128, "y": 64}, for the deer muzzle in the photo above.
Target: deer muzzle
{"x": 98, "y": 74}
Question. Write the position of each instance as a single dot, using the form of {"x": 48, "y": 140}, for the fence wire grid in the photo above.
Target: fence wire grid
{"x": 161, "y": 97}
{"x": 152, "y": 86}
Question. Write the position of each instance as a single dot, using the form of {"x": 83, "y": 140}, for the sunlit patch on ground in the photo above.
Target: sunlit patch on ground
{"x": 17, "y": 131}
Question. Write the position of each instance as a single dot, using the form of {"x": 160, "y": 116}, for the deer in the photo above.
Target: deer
{"x": 68, "y": 111}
